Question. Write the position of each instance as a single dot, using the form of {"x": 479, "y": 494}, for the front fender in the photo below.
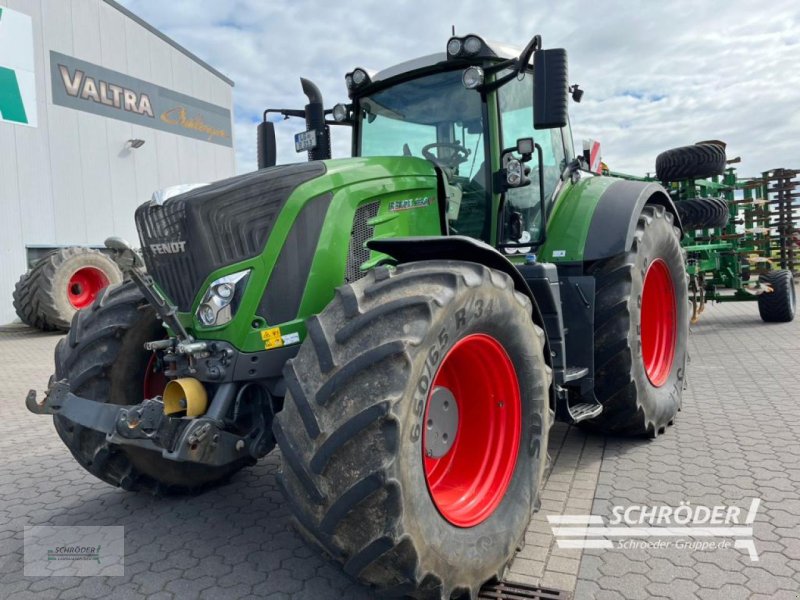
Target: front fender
{"x": 458, "y": 247}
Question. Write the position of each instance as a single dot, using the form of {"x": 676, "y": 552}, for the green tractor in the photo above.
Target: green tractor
{"x": 404, "y": 324}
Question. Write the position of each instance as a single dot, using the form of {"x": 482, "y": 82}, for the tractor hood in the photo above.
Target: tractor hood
{"x": 300, "y": 229}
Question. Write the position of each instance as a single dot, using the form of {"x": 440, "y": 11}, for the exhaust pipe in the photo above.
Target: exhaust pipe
{"x": 315, "y": 121}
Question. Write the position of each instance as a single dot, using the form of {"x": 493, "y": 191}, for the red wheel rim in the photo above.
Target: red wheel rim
{"x": 658, "y": 323}
{"x": 83, "y": 286}
{"x": 154, "y": 381}
{"x": 470, "y": 480}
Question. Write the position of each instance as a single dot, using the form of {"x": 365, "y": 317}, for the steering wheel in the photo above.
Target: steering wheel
{"x": 458, "y": 156}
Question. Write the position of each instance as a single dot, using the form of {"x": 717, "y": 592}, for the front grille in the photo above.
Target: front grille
{"x": 357, "y": 253}
{"x": 220, "y": 224}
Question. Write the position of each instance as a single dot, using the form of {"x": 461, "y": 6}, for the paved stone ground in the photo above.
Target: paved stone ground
{"x": 738, "y": 437}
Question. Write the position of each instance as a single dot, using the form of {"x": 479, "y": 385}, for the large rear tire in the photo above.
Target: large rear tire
{"x": 103, "y": 359}
{"x": 779, "y": 305}
{"x": 71, "y": 278}
{"x": 413, "y": 497}
{"x": 640, "y": 330}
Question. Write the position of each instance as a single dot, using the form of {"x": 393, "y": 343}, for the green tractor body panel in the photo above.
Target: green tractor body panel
{"x": 398, "y": 197}
{"x": 570, "y": 219}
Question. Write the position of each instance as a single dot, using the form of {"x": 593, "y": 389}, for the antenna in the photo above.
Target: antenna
{"x": 454, "y": 30}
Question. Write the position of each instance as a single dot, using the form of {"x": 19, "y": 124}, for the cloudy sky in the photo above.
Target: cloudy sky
{"x": 667, "y": 75}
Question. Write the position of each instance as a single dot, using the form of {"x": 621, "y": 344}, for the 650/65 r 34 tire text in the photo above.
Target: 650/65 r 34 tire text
{"x": 641, "y": 328}
{"x": 103, "y": 359}
{"x": 414, "y": 431}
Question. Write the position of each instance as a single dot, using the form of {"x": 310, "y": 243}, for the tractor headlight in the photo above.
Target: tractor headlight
{"x": 472, "y": 45}
{"x": 513, "y": 172}
{"x": 454, "y": 46}
{"x": 222, "y": 299}
{"x": 472, "y": 77}
{"x": 340, "y": 113}
{"x": 359, "y": 76}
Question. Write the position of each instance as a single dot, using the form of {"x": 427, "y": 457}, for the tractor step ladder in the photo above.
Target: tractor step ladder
{"x": 585, "y": 410}
{"x": 573, "y": 373}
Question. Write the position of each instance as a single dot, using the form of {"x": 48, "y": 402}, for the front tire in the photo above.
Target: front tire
{"x": 103, "y": 359}
{"x": 640, "y": 330}
{"x": 364, "y": 413}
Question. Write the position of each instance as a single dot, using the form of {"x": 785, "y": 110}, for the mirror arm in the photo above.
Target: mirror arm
{"x": 286, "y": 112}
{"x": 533, "y": 45}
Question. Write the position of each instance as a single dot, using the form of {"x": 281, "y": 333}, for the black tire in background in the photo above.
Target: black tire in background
{"x": 26, "y": 303}
{"x": 691, "y": 162}
{"x": 703, "y": 213}
{"x": 103, "y": 359}
{"x": 780, "y": 305}
{"x": 632, "y": 403}
{"x": 58, "y": 271}
{"x": 353, "y": 424}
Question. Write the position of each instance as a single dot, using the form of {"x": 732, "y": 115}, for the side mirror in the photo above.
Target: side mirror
{"x": 267, "y": 154}
{"x": 550, "y": 88}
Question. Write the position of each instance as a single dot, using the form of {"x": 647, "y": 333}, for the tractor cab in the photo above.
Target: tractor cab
{"x": 470, "y": 111}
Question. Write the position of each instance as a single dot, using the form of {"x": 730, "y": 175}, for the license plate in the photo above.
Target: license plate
{"x": 304, "y": 141}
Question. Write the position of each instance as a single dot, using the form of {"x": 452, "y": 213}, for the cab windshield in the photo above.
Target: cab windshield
{"x": 436, "y": 118}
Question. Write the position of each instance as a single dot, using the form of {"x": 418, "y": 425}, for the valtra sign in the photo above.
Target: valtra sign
{"x": 87, "y": 87}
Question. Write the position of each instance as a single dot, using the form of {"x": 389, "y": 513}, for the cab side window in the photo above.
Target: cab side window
{"x": 516, "y": 121}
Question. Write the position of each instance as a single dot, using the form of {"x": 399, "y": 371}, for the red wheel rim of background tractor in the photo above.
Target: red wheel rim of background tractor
{"x": 658, "y": 323}
{"x": 469, "y": 482}
{"x": 154, "y": 381}
{"x": 83, "y": 286}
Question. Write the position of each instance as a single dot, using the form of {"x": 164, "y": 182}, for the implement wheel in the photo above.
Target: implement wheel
{"x": 103, "y": 359}
{"x": 779, "y": 305}
{"x": 414, "y": 431}
{"x": 703, "y": 213}
{"x": 691, "y": 162}
{"x": 641, "y": 329}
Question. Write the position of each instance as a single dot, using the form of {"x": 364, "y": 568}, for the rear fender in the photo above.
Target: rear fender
{"x": 616, "y": 215}
{"x": 595, "y": 217}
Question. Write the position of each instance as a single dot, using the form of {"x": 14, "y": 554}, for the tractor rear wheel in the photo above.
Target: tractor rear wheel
{"x": 414, "y": 431}
{"x": 779, "y": 305}
{"x": 70, "y": 279}
{"x": 26, "y": 302}
{"x": 640, "y": 330}
{"x": 703, "y": 213}
{"x": 691, "y": 162}
{"x": 103, "y": 359}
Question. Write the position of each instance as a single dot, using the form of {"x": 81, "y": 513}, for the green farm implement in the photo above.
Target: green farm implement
{"x": 404, "y": 324}
{"x": 742, "y": 238}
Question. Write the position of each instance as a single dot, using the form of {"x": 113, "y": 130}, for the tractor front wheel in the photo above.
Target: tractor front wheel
{"x": 103, "y": 359}
{"x": 640, "y": 330}
{"x": 414, "y": 431}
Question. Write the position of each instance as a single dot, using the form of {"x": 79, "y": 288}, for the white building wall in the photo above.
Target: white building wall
{"x": 71, "y": 180}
